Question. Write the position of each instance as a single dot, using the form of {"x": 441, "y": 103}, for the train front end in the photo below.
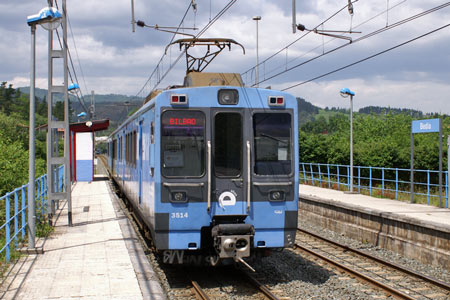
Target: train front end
{"x": 228, "y": 173}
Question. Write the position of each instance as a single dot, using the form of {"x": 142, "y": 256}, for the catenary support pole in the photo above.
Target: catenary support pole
{"x": 31, "y": 159}
{"x": 294, "y": 20}
{"x": 448, "y": 167}
{"x": 67, "y": 182}
{"x": 412, "y": 168}
{"x": 351, "y": 143}
{"x": 440, "y": 163}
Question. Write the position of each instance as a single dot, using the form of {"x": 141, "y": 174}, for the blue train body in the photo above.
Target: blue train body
{"x": 212, "y": 170}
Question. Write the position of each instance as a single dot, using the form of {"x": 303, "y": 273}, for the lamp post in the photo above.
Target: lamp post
{"x": 345, "y": 92}
{"x": 48, "y": 17}
{"x": 257, "y": 18}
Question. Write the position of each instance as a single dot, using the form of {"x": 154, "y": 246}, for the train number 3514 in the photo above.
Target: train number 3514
{"x": 179, "y": 215}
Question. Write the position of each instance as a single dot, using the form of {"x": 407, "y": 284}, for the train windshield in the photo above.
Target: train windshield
{"x": 183, "y": 143}
{"x": 228, "y": 145}
{"x": 272, "y": 132}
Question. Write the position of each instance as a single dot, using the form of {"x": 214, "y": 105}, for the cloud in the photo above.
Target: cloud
{"x": 427, "y": 96}
{"x": 115, "y": 60}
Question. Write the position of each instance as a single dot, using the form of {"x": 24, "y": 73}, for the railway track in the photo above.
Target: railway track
{"x": 185, "y": 282}
{"x": 393, "y": 279}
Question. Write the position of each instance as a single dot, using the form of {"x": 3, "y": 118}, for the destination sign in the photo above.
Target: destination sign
{"x": 183, "y": 121}
{"x": 424, "y": 126}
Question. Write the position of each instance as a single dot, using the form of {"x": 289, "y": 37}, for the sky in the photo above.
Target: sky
{"x": 110, "y": 58}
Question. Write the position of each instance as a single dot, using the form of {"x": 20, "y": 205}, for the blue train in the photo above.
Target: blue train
{"x": 211, "y": 168}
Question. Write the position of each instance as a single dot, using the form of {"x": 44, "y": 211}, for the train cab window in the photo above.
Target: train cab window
{"x": 227, "y": 144}
{"x": 272, "y": 132}
{"x": 183, "y": 143}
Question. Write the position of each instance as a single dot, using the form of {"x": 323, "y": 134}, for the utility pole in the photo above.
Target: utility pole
{"x": 257, "y": 19}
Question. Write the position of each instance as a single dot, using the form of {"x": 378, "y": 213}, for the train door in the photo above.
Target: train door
{"x": 140, "y": 161}
{"x": 228, "y": 169}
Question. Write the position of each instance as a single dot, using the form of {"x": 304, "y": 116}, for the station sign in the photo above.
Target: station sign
{"x": 425, "y": 126}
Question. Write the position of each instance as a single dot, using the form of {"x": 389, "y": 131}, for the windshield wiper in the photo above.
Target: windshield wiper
{"x": 273, "y": 138}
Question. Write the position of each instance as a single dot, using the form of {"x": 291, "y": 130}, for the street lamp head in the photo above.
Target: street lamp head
{"x": 81, "y": 114}
{"x": 48, "y": 17}
{"x": 345, "y": 92}
{"x": 73, "y": 87}
{"x": 256, "y": 18}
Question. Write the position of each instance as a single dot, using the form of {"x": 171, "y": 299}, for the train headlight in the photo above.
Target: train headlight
{"x": 276, "y": 196}
{"x": 179, "y": 197}
{"x": 275, "y": 101}
{"x": 228, "y": 97}
{"x": 179, "y": 99}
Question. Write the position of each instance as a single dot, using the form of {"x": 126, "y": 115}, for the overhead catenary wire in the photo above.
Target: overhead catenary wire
{"x": 162, "y": 57}
{"x": 367, "y": 58}
{"x": 378, "y": 31}
{"x": 284, "y": 66}
{"x": 298, "y": 39}
{"x": 80, "y": 100}
{"x": 207, "y": 26}
{"x": 78, "y": 57}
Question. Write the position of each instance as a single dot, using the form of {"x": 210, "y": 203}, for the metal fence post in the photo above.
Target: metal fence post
{"x": 348, "y": 178}
{"x": 8, "y": 233}
{"x": 16, "y": 217}
{"x": 320, "y": 175}
{"x": 23, "y": 211}
{"x": 370, "y": 181}
{"x": 359, "y": 179}
{"x": 382, "y": 181}
{"x": 312, "y": 174}
{"x": 329, "y": 180}
{"x": 428, "y": 187}
{"x": 396, "y": 183}
{"x": 446, "y": 189}
{"x": 338, "y": 180}
{"x": 304, "y": 172}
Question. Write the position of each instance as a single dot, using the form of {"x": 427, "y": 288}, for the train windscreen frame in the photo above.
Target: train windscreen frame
{"x": 183, "y": 143}
{"x": 273, "y": 145}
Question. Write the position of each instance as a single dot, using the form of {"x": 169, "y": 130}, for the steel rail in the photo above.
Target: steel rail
{"x": 261, "y": 287}
{"x": 423, "y": 277}
{"x": 376, "y": 283}
{"x": 199, "y": 290}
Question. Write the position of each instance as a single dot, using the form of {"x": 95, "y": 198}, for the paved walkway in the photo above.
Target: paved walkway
{"x": 419, "y": 213}
{"x": 99, "y": 257}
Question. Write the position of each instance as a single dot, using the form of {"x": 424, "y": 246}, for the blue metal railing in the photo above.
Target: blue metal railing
{"x": 16, "y": 218}
{"x": 377, "y": 181}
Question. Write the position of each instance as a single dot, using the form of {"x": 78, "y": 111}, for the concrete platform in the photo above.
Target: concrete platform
{"x": 416, "y": 231}
{"x": 99, "y": 257}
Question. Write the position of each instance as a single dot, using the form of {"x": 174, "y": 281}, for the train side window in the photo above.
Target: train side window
{"x": 134, "y": 148}
{"x": 183, "y": 143}
{"x": 114, "y": 150}
{"x": 272, "y": 134}
{"x": 127, "y": 146}
{"x": 152, "y": 133}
